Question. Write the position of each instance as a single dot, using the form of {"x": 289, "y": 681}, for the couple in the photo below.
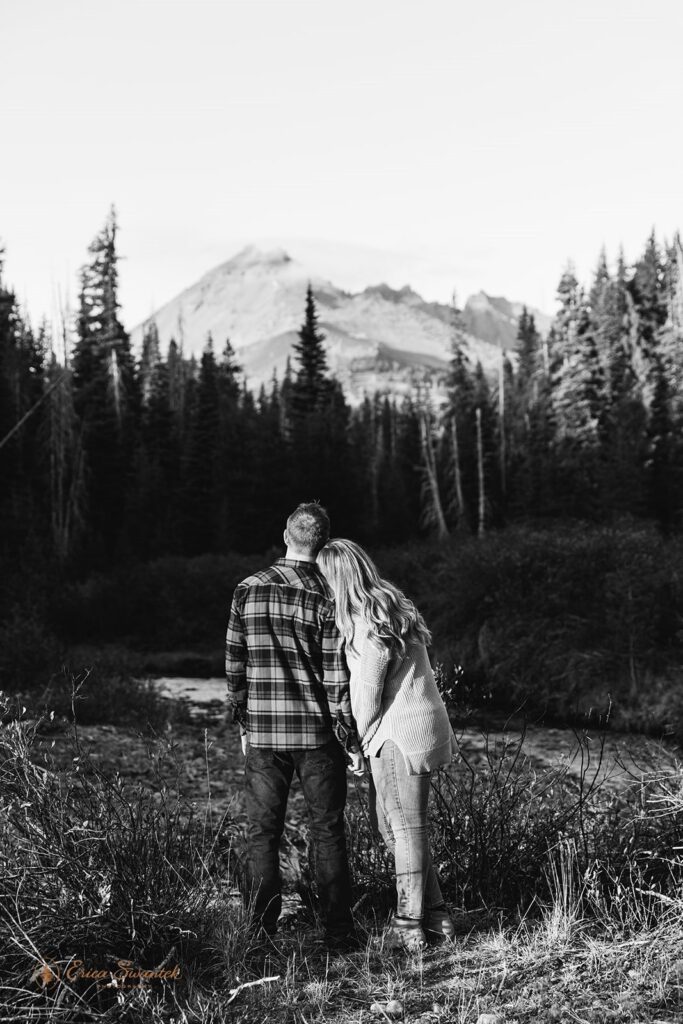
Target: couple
{"x": 325, "y": 662}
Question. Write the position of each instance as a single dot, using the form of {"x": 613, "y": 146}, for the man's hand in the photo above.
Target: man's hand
{"x": 356, "y": 762}
{"x": 245, "y": 742}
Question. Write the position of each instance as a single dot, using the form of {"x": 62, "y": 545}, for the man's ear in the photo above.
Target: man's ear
{"x": 285, "y": 537}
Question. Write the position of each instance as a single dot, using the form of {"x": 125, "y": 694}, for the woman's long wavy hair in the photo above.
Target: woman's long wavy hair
{"x": 360, "y": 591}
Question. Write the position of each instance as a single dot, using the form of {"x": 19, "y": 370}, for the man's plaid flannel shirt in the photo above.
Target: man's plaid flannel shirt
{"x": 283, "y": 663}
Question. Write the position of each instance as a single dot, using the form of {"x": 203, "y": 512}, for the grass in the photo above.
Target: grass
{"x": 569, "y": 896}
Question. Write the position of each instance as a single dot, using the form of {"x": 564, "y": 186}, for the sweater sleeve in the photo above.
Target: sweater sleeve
{"x": 374, "y": 661}
{"x": 336, "y": 681}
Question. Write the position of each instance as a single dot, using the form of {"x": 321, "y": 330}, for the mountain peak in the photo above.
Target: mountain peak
{"x": 252, "y": 256}
{"x": 385, "y": 291}
{"x": 381, "y": 337}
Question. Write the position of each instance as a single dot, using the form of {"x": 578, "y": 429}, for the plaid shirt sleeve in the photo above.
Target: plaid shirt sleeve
{"x": 336, "y": 680}
{"x": 236, "y": 661}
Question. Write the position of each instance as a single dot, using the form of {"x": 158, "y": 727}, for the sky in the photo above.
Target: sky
{"x": 447, "y": 144}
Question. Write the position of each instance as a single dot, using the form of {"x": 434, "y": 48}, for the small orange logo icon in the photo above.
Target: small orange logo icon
{"x": 45, "y": 975}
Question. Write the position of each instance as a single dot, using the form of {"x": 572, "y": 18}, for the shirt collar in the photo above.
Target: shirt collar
{"x": 302, "y": 562}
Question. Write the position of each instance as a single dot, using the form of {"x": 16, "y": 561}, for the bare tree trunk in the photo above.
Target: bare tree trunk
{"x": 501, "y": 417}
{"x": 67, "y": 478}
{"x": 66, "y": 470}
{"x": 480, "y": 475}
{"x": 435, "y": 512}
{"x": 678, "y": 298}
{"x": 461, "y": 511}
{"x": 36, "y": 405}
{"x": 375, "y": 461}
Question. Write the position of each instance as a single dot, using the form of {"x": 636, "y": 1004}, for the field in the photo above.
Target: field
{"x": 557, "y": 850}
{"x": 558, "y": 831}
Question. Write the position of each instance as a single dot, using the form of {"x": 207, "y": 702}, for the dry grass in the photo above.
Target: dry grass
{"x": 93, "y": 868}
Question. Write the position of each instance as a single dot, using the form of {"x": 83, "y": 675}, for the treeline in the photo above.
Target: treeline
{"x": 123, "y": 458}
{"x": 106, "y": 457}
{"x": 587, "y": 422}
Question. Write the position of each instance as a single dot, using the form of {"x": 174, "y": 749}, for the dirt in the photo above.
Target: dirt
{"x": 210, "y": 764}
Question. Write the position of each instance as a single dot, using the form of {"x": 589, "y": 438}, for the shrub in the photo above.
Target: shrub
{"x": 168, "y": 604}
{"x": 92, "y": 870}
{"x": 29, "y": 652}
{"x": 556, "y": 621}
{"x": 498, "y": 823}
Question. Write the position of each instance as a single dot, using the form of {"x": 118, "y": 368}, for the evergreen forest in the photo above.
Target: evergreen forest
{"x": 107, "y": 456}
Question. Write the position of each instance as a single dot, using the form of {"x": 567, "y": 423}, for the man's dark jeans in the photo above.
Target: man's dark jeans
{"x": 322, "y": 773}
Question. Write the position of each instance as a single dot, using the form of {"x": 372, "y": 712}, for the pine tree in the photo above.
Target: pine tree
{"x": 460, "y": 427}
{"x": 311, "y": 386}
{"x": 200, "y": 477}
{"x": 235, "y": 466}
{"x": 529, "y": 357}
{"x": 662, "y": 474}
{"x": 23, "y": 469}
{"x": 154, "y": 521}
{"x": 366, "y": 440}
{"x": 150, "y": 359}
{"x": 64, "y": 445}
{"x": 647, "y": 288}
{"x": 318, "y": 423}
{"x": 106, "y": 394}
{"x": 623, "y": 417}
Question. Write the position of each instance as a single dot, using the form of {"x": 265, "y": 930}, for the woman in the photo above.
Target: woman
{"x": 403, "y": 727}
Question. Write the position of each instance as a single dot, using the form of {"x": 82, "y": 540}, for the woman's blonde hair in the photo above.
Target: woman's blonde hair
{"x": 359, "y": 590}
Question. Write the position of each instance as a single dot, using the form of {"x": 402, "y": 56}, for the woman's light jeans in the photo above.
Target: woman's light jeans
{"x": 398, "y": 806}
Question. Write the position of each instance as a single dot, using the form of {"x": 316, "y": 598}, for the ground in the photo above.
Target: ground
{"x": 560, "y": 968}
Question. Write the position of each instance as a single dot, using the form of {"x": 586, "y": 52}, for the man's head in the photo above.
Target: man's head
{"x": 308, "y": 529}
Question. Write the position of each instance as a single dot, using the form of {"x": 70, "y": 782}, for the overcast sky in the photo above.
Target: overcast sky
{"x": 483, "y": 144}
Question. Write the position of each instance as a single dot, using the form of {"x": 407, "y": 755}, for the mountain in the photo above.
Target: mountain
{"x": 379, "y": 338}
{"x": 495, "y": 319}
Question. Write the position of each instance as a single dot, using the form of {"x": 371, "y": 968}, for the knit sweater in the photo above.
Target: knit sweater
{"x": 396, "y": 698}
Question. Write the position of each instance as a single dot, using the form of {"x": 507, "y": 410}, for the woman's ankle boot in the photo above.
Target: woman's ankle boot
{"x": 405, "y": 933}
{"x": 438, "y": 925}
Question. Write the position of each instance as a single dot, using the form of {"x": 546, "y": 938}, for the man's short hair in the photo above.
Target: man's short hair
{"x": 309, "y": 527}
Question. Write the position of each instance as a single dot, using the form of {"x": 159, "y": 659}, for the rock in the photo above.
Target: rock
{"x": 392, "y": 1008}
{"x": 490, "y": 1018}
{"x": 676, "y": 972}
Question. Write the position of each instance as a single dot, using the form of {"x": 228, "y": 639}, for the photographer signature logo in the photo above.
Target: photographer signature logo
{"x": 124, "y": 975}
{"x": 45, "y": 974}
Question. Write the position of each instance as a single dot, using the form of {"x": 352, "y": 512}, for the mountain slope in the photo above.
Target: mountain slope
{"x": 378, "y": 338}
{"x": 495, "y": 319}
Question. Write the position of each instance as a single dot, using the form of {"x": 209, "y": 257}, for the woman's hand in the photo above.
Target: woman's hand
{"x": 357, "y": 763}
{"x": 245, "y": 742}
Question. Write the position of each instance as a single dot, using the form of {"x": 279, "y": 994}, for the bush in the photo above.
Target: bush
{"x": 498, "y": 824}
{"x": 97, "y": 872}
{"x": 168, "y": 604}
{"x": 559, "y": 621}
{"x": 566, "y": 622}
{"x": 29, "y": 652}
{"x": 102, "y": 694}
{"x": 106, "y": 697}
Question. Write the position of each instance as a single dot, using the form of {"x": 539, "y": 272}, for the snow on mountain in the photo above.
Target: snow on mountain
{"x": 379, "y": 338}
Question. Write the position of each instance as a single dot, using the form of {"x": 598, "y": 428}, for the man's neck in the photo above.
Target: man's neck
{"x": 299, "y": 556}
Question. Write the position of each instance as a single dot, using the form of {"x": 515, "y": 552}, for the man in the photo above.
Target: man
{"x": 288, "y": 685}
